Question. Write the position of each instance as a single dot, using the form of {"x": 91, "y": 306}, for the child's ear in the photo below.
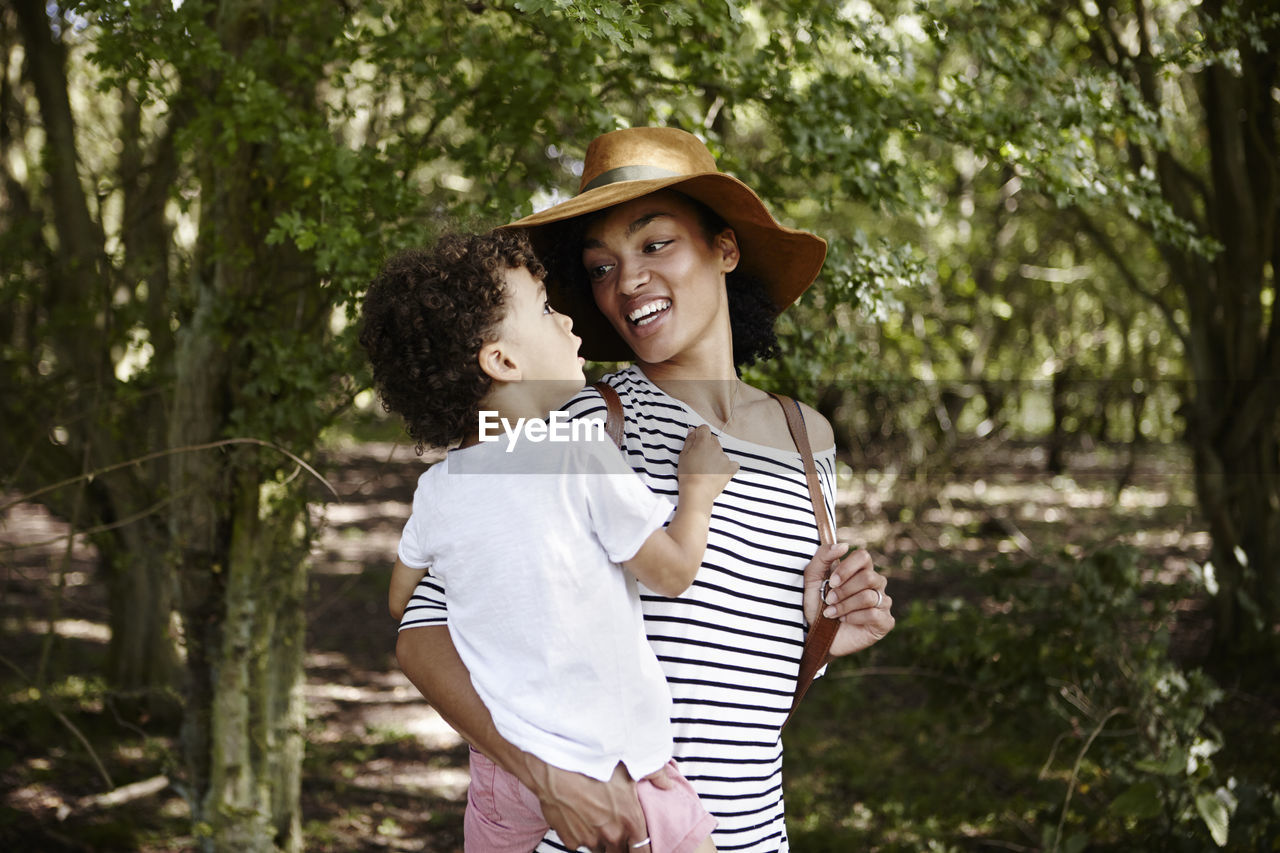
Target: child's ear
{"x": 497, "y": 363}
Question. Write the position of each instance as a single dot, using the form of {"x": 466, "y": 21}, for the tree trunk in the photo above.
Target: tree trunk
{"x": 1240, "y": 497}
{"x": 1234, "y": 432}
{"x": 241, "y": 559}
{"x": 197, "y": 532}
{"x": 143, "y": 658}
{"x": 243, "y": 583}
{"x": 1056, "y": 455}
{"x": 257, "y": 718}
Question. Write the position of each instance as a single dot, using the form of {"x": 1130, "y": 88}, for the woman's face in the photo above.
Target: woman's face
{"x": 657, "y": 279}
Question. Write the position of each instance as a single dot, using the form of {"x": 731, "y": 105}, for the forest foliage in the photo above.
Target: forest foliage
{"x": 1047, "y": 220}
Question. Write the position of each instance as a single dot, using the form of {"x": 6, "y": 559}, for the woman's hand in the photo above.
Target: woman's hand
{"x": 855, "y": 595}
{"x": 586, "y": 812}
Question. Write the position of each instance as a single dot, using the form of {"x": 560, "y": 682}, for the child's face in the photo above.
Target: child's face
{"x": 541, "y": 340}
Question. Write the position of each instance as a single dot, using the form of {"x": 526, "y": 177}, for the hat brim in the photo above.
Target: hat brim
{"x": 785, "y": 260}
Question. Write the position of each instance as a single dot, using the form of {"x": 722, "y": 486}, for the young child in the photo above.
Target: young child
{"x": 532, "y": 535}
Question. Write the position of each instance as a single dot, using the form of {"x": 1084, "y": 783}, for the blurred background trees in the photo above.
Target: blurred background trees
{"x": 1048, "y": 221}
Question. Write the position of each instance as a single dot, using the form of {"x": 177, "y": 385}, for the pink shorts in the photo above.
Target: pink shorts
{"x": 503, "y": 816}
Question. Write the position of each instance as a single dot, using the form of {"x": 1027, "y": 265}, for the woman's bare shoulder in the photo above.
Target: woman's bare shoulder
{"x": 821, "y": 437}
{"x": 770, "y": 427}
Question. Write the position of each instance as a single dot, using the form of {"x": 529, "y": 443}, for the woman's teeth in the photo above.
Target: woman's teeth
{"x": 648, "y": 312}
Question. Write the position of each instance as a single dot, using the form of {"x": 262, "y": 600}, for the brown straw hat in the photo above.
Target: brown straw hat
{"x": 630, "y": 163}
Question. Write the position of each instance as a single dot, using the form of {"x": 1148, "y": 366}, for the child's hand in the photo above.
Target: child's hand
{"x": 704, "y": 469}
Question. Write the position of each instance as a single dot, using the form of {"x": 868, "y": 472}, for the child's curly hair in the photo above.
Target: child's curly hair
{"x": 424, "y": 319}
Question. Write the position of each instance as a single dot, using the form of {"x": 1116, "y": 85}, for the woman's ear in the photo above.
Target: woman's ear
{"x": 726, "y": 243}
{"x": 497, "y": 362}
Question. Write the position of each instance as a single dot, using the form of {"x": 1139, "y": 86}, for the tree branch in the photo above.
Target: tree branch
{"x": 79, "y": 236}
{"x": 62, "y": 718}
{"x": 1131, "y": 279}
{"x": 1075, "y": 773}
{"x": 211, "y": 445}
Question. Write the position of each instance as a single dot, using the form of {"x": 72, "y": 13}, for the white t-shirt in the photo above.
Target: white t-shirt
{"x": 547, "y": 622}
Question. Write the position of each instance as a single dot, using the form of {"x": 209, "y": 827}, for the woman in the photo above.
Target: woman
{"x": 679, "y": 267}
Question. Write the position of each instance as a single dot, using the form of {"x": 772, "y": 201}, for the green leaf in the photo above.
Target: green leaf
{"x": 1075, "y": 843}
{"x": 1141, "y": 801}
{"x": 1173, "y": 763}
{"x": 1216, "y": 814}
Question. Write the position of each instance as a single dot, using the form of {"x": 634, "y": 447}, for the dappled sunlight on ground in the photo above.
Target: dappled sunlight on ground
{"x": 360, "y": 535}
{"x": 72, "y": 629}
{"x": 38, "y": 533}
{"x": 1015, "y": 507}
{"x": 375, "y": 708}
{"x": 376, "y": 702}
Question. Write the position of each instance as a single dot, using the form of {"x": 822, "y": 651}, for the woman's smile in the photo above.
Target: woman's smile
{"x": 651, "y": 310}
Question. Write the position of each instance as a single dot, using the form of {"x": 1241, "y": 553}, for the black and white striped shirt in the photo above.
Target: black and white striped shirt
{"x": 730, "y": 645}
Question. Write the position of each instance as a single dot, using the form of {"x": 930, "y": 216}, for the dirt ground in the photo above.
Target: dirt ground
{"x": 383, "y": 771}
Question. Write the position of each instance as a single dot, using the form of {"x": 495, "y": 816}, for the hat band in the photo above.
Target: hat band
{"x": 627, "y": 173}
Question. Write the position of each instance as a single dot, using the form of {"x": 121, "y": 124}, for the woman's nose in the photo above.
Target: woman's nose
{"x": 632, "y": 275}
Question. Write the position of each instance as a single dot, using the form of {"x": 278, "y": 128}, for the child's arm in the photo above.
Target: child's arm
{"x": 669, "y": 558}
{"x": 403, "y": 581}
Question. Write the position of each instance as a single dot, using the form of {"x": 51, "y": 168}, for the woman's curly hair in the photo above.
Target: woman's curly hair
{"x": 425, "y": 318}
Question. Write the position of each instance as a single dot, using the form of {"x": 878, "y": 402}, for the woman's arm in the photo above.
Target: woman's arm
{"x": 403, "y": 582}
{"x": 582, "y": 810}
{"x": 856, "y": 592}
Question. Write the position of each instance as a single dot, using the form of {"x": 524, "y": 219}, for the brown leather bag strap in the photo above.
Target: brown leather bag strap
{"x": 613, "y": 421}
{"x": 823, "y": 630}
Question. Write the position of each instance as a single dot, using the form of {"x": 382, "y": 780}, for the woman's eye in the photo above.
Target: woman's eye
{"x": 599, "y": 271}
{"x": 655, "y": 245}
{"x": 546, "y": 307}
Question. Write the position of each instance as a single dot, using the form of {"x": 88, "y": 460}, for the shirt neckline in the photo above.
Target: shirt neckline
{"x": 722, "y": 436}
